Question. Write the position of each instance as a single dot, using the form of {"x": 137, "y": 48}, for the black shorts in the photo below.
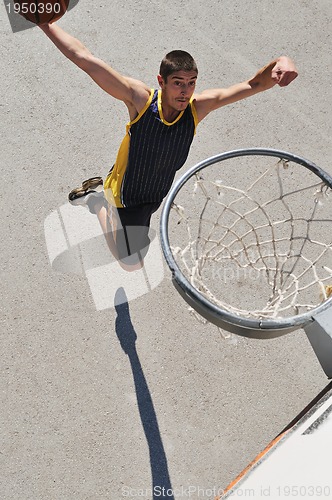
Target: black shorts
{"x": 132, "y": 231}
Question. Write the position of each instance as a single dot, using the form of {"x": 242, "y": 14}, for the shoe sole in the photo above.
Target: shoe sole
{"x": 92, "y": 183}
{"x": 77, "y": 193}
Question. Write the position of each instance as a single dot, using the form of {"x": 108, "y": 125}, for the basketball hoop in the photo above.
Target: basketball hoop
{"x": 247, "y": 237}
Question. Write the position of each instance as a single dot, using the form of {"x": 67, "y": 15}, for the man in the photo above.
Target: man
{"x": 158, "y": 138}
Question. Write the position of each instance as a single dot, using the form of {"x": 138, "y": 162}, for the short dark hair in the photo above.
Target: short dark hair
{"x": 177, "y": 60}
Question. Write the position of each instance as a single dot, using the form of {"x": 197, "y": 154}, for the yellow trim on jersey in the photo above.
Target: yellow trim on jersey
{"x": 141, "y": 113}
{"x": 113, "y": 182}
{"x": 161, "y": 114}
{"x": 194, "y": 112}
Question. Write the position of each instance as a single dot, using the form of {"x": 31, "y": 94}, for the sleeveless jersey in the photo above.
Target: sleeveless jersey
{"x": 150, "y": 154}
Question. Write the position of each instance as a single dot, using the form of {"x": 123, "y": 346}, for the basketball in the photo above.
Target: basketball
{"x": 41, "y": 11}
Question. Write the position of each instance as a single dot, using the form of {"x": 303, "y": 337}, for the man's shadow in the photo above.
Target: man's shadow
{"x": 161, "y": 483}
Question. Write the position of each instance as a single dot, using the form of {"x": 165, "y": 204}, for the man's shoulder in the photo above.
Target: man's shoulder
{"x": 200, "y": 103}
{"x": 141, "y": 95}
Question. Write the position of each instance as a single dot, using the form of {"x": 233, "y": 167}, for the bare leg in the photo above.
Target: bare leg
{"x": 110, "y": 236}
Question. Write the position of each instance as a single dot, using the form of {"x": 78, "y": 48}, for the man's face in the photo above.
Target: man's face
{"x": 178, "y": 89}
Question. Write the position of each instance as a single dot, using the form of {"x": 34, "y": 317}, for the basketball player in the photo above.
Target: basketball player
{"x": 158, "y": 138}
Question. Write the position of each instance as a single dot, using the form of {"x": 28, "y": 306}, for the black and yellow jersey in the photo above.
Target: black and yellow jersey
{"x": 150, "y": 154}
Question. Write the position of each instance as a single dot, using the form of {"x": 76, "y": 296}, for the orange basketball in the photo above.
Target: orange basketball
{"x": 41, "y": 11}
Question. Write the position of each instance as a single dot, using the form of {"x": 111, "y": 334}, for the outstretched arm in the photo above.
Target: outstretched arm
{"x": 281, "y": 71}
{"x": 132, "y": 92}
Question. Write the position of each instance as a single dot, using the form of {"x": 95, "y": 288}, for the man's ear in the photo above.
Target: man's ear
{"x": 160, "y": 81}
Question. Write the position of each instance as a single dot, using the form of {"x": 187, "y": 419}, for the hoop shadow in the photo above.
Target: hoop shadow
{"x": 161, "y": 482}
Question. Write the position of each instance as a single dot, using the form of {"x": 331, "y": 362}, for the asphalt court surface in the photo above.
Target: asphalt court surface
{"x": 110, "y": 388}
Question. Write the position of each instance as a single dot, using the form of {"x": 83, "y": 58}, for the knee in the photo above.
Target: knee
{"x": 131, "y": 267}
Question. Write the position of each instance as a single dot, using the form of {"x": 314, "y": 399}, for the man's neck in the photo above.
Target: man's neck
{"x": 170, "y": 114}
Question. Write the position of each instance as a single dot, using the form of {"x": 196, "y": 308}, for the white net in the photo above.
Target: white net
{"x": 253, "y": 235}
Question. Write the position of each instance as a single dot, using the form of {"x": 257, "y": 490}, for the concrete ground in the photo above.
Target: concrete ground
{"x": 104, "y": 398}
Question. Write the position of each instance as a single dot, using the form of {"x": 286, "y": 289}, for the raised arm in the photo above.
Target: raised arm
{"x": 132, "y": 92}
{"x": 281, "y": 71}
